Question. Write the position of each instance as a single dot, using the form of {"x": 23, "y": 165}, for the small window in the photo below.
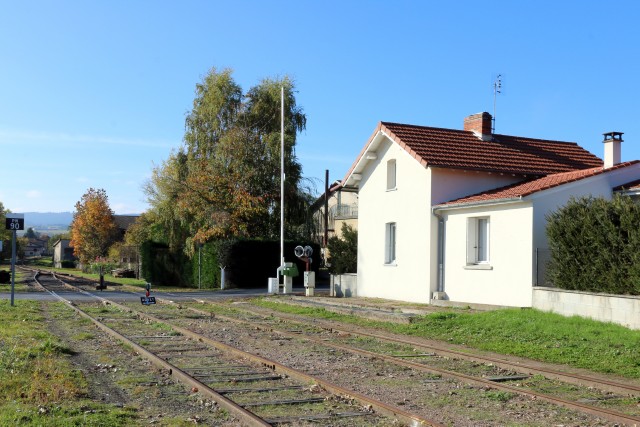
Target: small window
{"x": 478, "y": 240}
{"x": 390, "y": 243}
{"x": 391, "y": 175}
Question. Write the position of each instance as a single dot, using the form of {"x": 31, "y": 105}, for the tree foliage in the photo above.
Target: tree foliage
{"x": 224, "y": 182}
{"x": 5, "y": 235}
{"x": 31, "y": 233}
{"x": 343, "y": 251}
{"x": 93, "y": 229}
{"x": 595, "y": 245}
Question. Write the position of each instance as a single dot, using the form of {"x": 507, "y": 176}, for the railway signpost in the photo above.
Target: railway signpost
{"x": 146, "y": 299}
{"x": 14, "y": 222}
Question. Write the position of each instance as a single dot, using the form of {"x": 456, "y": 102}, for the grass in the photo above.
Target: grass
{"x": 38, "y": 385}
{"x": 82, "y": 413}
{"x": 140, "y": 283}
{"x": 574, "y": 341}
{"x": 20, "y": 286}
{"x": 120, "y": 280}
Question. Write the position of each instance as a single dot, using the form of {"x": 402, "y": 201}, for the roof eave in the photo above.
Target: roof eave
{"x": 452, "y": 206}
{"x": 352, "y": 179}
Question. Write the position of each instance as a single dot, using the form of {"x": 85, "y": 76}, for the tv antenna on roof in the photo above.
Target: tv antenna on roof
{"x": 497, "y": 88}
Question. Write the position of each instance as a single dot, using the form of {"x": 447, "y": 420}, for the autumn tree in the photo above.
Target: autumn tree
{"x": 93, "y": 228}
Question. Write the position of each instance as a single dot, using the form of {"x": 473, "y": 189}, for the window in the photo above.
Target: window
{"x": 478, "y": 240}
{"x": 391, "y": 175}
{"x": 390, "y": 243}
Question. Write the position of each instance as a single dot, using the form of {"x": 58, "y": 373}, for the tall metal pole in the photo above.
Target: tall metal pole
{"x": 13, "y": 265}
{"x": 199, "y": 265}
{"x": 282, "y": 176}
{"x": 326, "y": 208}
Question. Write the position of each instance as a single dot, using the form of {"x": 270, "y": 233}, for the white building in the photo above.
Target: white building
{"x": 458, "y": 215}
{"x": 62, "y": 251}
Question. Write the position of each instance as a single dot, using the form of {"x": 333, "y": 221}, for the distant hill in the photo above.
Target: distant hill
{"x": 48, "y": 222}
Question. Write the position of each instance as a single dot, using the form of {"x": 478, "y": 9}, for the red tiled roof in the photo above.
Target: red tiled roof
{"x": 459, "y": 149}
{"x": 523, "y": 189}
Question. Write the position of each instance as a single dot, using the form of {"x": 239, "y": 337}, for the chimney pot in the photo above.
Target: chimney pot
{"x": 612, "y": 148}
{"x": 479, "y": 124}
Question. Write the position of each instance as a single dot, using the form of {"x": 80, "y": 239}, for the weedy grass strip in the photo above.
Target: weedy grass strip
{"x": 38, "y": 385}
{"x": 547, "y": 337}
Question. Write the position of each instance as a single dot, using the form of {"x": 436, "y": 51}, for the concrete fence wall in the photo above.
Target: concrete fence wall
{"x": 344, "y": 285}
{"x": 620, "y": 309}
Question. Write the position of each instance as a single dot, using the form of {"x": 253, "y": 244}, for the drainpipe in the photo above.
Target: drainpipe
{"x": 440, "y": 287}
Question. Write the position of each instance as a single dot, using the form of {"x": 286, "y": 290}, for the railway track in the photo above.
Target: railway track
{"x": 255, "y": 389}
{"x": 627, "y": 388}
{"x": 425, "y": 355}
{"x": 294, "y": 328}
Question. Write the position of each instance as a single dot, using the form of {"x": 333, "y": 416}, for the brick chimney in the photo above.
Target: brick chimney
{"x": 480, "y": 124}
{"x": 612, "y": 142}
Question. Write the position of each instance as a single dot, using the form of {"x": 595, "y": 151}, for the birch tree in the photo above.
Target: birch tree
{"x": 225, "y": 179}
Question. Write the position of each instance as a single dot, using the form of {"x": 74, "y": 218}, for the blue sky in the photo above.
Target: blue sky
{"x": 93, "y": 94}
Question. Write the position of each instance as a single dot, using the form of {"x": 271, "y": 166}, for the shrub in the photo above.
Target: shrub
{"x": 595, "y": 245}
{"x": 343, "y": 251}
{"x": 206, "y": 262}
{"x": 248, "y": 263}
{"x": 161, "y": 266}
{"x": 251, "y": 262}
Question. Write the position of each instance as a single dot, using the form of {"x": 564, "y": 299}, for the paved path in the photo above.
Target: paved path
{"x": 124, "y": 296}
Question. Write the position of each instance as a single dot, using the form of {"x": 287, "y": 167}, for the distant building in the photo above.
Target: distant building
{"x": 62, "y": 251}
{"x": 36, "y": 247}
{"x": 124, "y": 222}
{"x": 129, "y": 256}
{"x": 342, "y": 208}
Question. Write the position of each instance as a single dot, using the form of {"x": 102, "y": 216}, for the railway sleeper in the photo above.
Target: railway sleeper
{"x": 316, "y": 417}
{"x": 283, "y": 402}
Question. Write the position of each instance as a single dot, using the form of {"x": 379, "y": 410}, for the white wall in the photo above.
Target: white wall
{"x": 408, "y": 206}
{"x": 507, "y": 282}
{"x": 451, "y": 184}
{"x": 414, "y": 277}
{"x": 620, "y": 309}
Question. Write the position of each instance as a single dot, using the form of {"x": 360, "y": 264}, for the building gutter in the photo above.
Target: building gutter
{"x": 452, "y": 206}
{"x": 628, "y": 192}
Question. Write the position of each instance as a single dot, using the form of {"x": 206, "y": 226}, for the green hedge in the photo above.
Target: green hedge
{"x": 251, "y": 262}
{"x": 160, "y": 266}
{"x": 205, "y": 261}
{"x": 343, "y": 251}
{"x": 595, "y": 245}
{"x": 248, "y": 263}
